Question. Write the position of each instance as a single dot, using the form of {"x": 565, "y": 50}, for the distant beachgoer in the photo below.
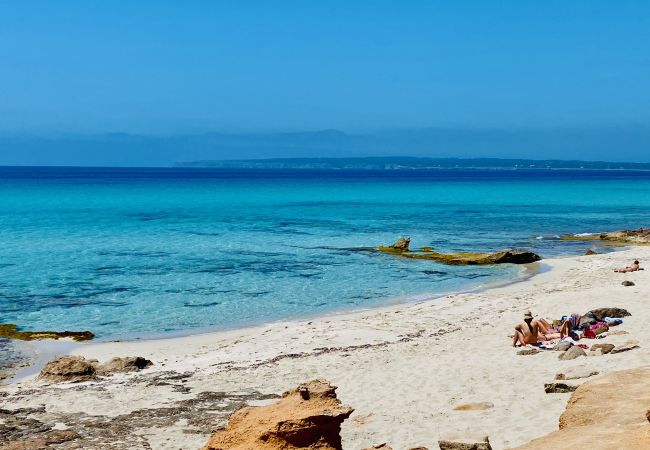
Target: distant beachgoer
{"x": 527, "y": 332}
{"x": 633, "y": 268}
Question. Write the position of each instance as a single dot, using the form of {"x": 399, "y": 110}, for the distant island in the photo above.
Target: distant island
{"x": 410, "y": 163}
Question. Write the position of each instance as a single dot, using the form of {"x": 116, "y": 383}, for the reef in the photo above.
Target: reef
{"x": 463, "y": 258}
{"x": 10, "y": 331}
{"x": 621, "y": 237}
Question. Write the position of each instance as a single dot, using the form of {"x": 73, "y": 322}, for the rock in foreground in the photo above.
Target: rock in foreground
{"x": 308, "y": 417}
{"x": 607, "y": 413}
{"x": 454, "y": 441}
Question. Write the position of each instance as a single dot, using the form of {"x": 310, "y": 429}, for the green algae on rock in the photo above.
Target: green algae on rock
{"x": 466, "y": 258}
{"x": 10, "y": 331}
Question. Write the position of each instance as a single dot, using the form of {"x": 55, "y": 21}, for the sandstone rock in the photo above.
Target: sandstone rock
{"x": 573, "y": 353}
{"x": 474, "y": 406}
{"x": 383, "y": 446}
{"x": 628, "y": 283}
{"x": 308, "y": 417}
{"x": 559, "y": 388}
{"x": 69, "y": 368}
{"x": 574, "y": 373}
{"x": 606, "y": 413}
{"x": 402, "y": 244}
{"x": 528, "y": 351}
{"x": 601, "y": 313}
{"x": 44, "y": 440}
{"x": 127, "y": 364}
{"x": 562, "y": 346}
{"x": 457, "y": 441}
{"x": 590, "y": 252}
{"x": 640, "y": 236}
{"x": 627, "y": 345}
{"x": 418, "y": 448}
{"x": 605, "y": 348}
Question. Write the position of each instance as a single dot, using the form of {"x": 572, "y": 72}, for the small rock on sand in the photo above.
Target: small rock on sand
{"x": 562, "y": 346}
{"x": 601, "y": 313}
{"x": 457, "y": 441}
{"x": 605, "y": 348}
{"x": 559, "y": 388}
{"x": 627, "y": 345}
{"x": 528, "y": 351}
{"x": 69, "y": 368}
{"x": 383, "y": 446}
{"x": 573, "y": 353}
{"x": 575, "y": 373}
{"x": 616, "y": 332}
{"x": 127, "y": 364}
{"x": 628, "y": 283}
{"x": 474, "y": 406}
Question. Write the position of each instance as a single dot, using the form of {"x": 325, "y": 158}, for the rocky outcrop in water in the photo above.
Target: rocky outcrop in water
{"x": 465, "y": 258}
{"x": 640, "y": 236}
{"x": 10, "y": 331}
{"x": 606, "y": 413}
{"x": 308, "y": 417}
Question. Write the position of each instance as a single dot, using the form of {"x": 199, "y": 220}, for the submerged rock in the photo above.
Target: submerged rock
{"x": 590, "y": 252}
{"x": 10, "y": 330}
{"x": 402, "y": 244}
{"x": 308, "y": 417}
{"x": 465, "y": 258}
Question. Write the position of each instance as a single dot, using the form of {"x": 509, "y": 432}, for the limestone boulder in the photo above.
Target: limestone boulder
{"x": 127, "y": 364}
{"x": 308, "y": 417}
{"x": 630, "y": 344}
{"x": 573, "y": 353}
{"x": 605, "y": 348}
{"x": 562, "y": 346}
{"x": 575, "y": 373}
{"x": 69, "y": 368}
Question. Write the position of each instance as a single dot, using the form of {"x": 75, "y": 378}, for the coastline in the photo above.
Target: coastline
{"x": 403, "y": 367}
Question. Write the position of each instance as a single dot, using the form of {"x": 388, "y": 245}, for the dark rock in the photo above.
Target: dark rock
{"x": 562, "y": 346}
{"x": 600, "y": 313}
{"x": 558, "y": 388}
{"x": 127, "y": 364}
{"x": 573, "y": 353}
{"x": 69, "y": 368}
{"x": 383, "y": 446}
{"x": 590, "y": 252}
{"x": 605, "y": 348}
{"x": 458, "y": 441}
{"x": 467, "y": 259}
{"x": 628, "y": 283}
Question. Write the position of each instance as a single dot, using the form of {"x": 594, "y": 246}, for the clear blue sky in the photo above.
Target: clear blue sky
{"x": 185, "y": 66}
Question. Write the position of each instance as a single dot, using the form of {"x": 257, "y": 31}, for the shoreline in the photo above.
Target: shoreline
{"x": 402, "y": 367}
{"x": 44, "y": 350}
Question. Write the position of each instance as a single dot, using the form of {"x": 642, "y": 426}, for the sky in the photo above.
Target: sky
{"x": 182, "y": 67}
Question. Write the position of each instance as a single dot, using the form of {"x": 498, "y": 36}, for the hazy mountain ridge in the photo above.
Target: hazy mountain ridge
{"x": 631, "y": 143}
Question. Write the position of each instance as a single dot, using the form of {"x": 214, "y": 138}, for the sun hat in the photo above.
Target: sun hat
{"x": 528, "y": 315}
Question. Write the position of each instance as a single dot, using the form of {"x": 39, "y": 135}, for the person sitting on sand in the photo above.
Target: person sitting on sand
{"x": 570, "y": 326}
{"x": 633, "y": 268}
{"x": 527, "y": 332}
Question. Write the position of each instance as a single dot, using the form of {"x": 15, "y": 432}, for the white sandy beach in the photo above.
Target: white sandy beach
{"x": 403, "y": 368}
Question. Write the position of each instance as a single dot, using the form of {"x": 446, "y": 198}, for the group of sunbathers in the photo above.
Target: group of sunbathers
{"x": 539, "y": 332}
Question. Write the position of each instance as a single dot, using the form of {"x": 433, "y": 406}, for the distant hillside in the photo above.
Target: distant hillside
{"x": 405, "y": 163}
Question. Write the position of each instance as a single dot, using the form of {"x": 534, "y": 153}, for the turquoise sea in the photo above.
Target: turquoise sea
{"x": 147, "y": 252}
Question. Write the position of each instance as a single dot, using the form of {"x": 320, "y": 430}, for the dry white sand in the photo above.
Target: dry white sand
{"x": 403, "y": 368}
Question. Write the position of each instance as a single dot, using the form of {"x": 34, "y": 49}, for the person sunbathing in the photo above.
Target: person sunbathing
{"x": 633, "y": 268}
{"x": 527, "y": 332}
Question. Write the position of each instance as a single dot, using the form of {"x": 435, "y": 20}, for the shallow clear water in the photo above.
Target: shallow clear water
{"x": 141, "y": 252}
